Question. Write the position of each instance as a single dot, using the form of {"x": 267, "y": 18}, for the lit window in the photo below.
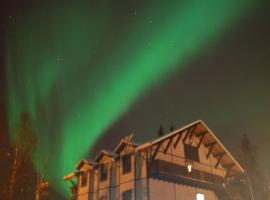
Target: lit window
{"x": 200, "y": 196}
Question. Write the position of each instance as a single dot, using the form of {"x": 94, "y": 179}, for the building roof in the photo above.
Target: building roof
{"x": 208, "y": 139}
{"x": 196, "y": 129}
{"x": 104, "y": 153}
{"x": 122, "y": 144}
{"x": 88, "y": 162}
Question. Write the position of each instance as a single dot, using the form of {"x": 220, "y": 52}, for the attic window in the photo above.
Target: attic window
{"x": 191, "y": 153}
{"x": 126, "y": 163}
{"x": 103, "y": 172}
{"x": 84, "y": 178}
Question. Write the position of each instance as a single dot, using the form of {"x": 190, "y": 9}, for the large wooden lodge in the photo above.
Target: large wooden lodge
{"x": 186, "y": 164}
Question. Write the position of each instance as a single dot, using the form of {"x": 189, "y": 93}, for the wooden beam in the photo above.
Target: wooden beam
{"x": 168, "y": 145}
{"x": 186, "y": 136}
{"x": 219, "y": 155}
{"x": 178, "y": 139}
{"x": 192, "y": 131}
{"x": 201, "y": 139}
{"x": 228, "y": 169}
{"x": 156, "y": 151}
{"x": 189, "y": 132}
{"x": 212, "y": 145}
{"x": 200, "y": 134}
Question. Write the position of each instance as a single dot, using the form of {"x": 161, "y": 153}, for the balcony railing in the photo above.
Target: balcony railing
{"x": 176, "y": 173}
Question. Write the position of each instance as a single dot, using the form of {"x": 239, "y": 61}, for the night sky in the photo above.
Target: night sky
{"x": 90, "y": 72}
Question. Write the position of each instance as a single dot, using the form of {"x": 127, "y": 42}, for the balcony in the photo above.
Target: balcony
{"x": 171, "y": 172}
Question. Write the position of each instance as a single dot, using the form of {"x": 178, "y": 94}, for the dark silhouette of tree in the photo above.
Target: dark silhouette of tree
{"x": 5, "y": 163}
{"x": 23, "y": 178}
{"x": 172, "y": 128}
{"x": 255, "y": 178}
{"x": 160, "y": 131}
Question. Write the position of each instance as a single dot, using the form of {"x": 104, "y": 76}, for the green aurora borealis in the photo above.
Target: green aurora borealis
{"x": 78, "y": 66}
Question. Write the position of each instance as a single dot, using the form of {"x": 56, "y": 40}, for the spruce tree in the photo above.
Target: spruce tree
{"x": 255, "y": 177}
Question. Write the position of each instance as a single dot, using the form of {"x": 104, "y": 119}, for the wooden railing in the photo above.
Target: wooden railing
{"x": 177, "y": 173}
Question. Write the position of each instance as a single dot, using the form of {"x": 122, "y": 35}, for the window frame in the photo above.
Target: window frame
{"x": 191, "y": 153}
{"x": 103, "y": 172}
{"x": 200, "y": 196}
{"x": 126, "y": 163}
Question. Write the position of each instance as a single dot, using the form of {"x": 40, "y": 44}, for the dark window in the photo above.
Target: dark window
{"x": 126, "y": 195}
{"x": 103, "y": 172}
{"x": 191, "y": 153}
{"x": 84, "y": 179}
{"x": 126, "y": 163}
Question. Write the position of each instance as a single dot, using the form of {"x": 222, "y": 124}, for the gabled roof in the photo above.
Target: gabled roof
{"x": 122, "y": 144}
{"x": 126, "y": 141}
{"x": 88, "y": 162}
{"x": 104, "y": 153}
{"x": 208, "y": 139}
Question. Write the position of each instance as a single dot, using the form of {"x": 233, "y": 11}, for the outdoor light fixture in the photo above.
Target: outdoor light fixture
{"x": 189, "y": 167}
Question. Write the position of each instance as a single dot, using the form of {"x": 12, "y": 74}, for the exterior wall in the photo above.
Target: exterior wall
{"x": 137, "y": 180}
{"x": 164, "y": 176}
{"x": 126, "y": 180}
{"x": 115, "y": 180}
{"x": 116, "y": 183}
{"x": 141, "y": 176}
{"x": 177, "y": 156}
{"x": 83, "y": 191}
{"x": 102, "y": 187}
{"x": 160, "y": 190}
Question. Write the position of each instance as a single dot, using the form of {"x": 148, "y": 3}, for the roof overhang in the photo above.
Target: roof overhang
{"x": 208, "y": 139}
{"x": 122, "y": 144}
{"x": 83, "y": 162}
{"x": 104, "y": 153}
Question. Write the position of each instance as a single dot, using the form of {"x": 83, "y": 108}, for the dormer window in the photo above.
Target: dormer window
{"x": 126, "y": 164}
{"x": 191, "y": 153}
{"x": 103, "y": 172}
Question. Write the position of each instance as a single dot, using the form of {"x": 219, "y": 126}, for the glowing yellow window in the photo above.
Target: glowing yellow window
{"x": 200, "y": 196}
